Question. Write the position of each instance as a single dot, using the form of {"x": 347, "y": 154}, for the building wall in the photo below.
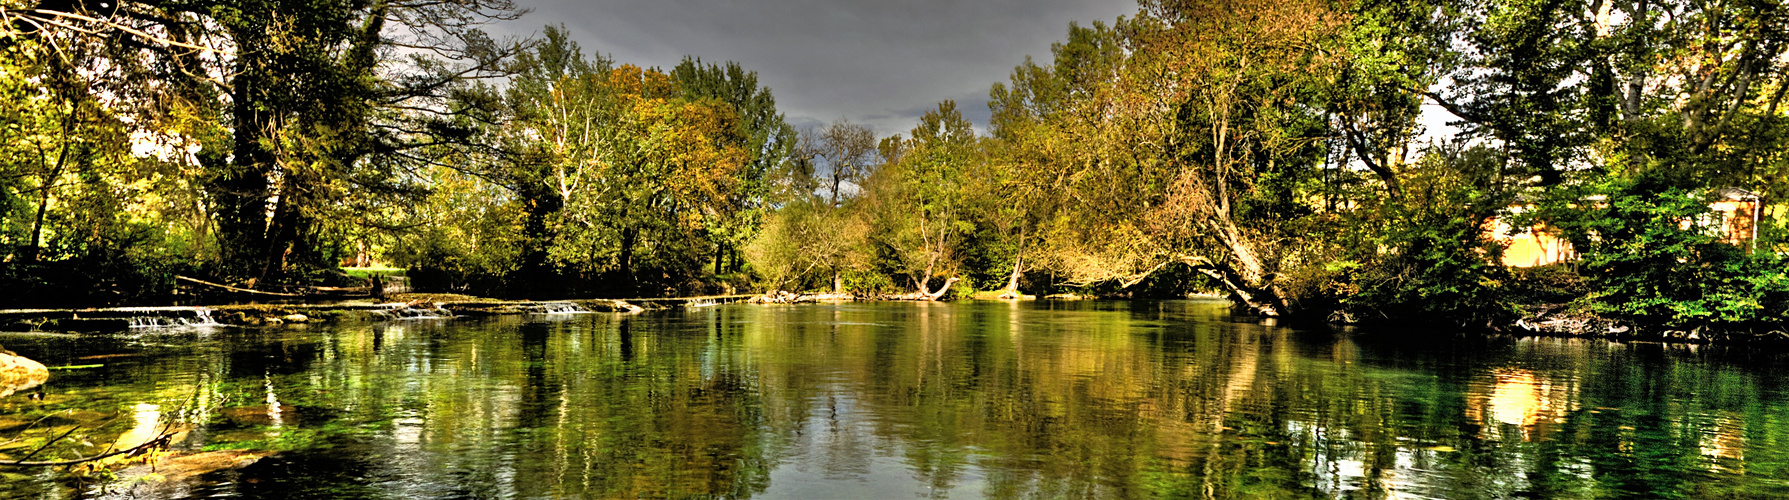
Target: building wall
{"x": 1737, "y": 227}
{"x": 1529, "y": 247}
{"x": 1537, "y": 246}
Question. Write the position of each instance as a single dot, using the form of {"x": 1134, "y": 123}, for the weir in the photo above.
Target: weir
{"x": 156, "y": 317}
{"x": 501, "y": 308}
{"x": 554, "y": 307}
{"x": 412, "y": 311}
{"x": 128, "y": 318}
{"x": 109, "y": 319}
{"x": 711, "y": 300}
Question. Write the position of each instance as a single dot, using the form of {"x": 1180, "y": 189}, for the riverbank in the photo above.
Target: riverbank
{"x": 404, "y": 306}
{"x": 1564, "y": 320}
{"x": 400, "y": 306}
{"x": 1536, "y": 320}
{"x": 1540, "y": 320}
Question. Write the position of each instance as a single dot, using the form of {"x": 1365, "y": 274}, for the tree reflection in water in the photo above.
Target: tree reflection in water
{"x": 1004, "y": 400}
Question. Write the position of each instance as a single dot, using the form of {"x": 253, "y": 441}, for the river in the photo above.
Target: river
{"x": 1172, "y": 399}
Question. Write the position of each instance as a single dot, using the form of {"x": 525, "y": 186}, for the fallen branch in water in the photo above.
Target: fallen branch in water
{"x": 28, "y": 428}
{"x": 235, "y": 289}
{"x": 158, "y": 440}
{"x": 151, "y": 443}
{"x": 47, "y": 444}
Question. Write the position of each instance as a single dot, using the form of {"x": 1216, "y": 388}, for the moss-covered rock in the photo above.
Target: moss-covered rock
{"x": 18, "y": 373}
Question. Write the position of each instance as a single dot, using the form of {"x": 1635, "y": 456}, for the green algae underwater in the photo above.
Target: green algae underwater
{"x": 1172, "y": 399}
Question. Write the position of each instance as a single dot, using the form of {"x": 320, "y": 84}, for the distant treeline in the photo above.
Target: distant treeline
{"x": 1288, "y": 153}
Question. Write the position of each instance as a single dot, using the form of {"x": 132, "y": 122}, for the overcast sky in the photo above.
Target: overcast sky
{"x": 880, "y": 63}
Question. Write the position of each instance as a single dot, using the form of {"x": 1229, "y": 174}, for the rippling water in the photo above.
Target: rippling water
{"x": 901, "y": 400}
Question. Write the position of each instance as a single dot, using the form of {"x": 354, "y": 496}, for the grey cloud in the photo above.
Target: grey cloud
{"x": 804, "y": 123}
{"x": 879, "y": 63}
{"x": 973, "y": 106}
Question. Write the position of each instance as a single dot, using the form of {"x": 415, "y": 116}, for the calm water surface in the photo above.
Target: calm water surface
{"x": 904, "y": 400}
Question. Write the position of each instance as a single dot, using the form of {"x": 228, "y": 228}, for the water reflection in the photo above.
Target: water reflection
{"x": 1081, "y": 400}
{"x": 1535, "y": 403}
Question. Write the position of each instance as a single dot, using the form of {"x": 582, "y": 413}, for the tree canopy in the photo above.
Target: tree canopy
{"x": 1308, "y": 158}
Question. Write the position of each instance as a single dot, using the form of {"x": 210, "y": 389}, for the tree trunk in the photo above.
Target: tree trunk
{"x": 935, "y": 295}
{"x": 537, "y": 237}
{"x": 1012, "y": 281}
{"x": 628, "y": 235}
{"x": 1258, "y": 294}
{"x": 48, "y": 183}
{"x": 43, "y": 203}
{"x": 920, "y": 282}
{"x": 278, "y": 244}
{"x": 241, "y": 189}
{"x": 1245, "y": 273}
{"x": 838, "y": 281}
{"x": 836, "y": 180}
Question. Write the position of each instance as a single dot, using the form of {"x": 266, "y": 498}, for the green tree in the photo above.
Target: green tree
{"x": 557, "y": 105}
{"x": 765, "y": 136}
{"x": 1197, "y": 127}
{"x": 1427, "y": 256}
{"x": 620, "y": 168}
{"x": 1045, "y": 123}
{"x": 94, "y": 205}
{"x": 1650, "y": 105}
{"x": 818, "y": 235}
{"x": 806, "y": 242}
{"x": 920, "y": 204}
{"x": 1657, "y": 256}
{"x": 304, "y": 115}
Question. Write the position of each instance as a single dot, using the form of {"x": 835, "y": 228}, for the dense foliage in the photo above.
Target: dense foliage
{"x": 245, "y": 140}
{"x": 1333, "y": 159}
{"x": 1658, "y": 254}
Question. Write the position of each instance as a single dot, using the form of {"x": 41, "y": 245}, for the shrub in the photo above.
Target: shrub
{"x": 1439, "y": 268}
{"x": 1426, "y": 257}
{"x": 1549, "y": 284}
{"x": 1654, "y": 253}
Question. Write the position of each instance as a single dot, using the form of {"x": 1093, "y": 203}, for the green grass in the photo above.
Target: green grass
{"x": 368, "y": 272}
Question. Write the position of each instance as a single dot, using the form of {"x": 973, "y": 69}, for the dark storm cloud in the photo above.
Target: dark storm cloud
{"x": 878, "y": 63}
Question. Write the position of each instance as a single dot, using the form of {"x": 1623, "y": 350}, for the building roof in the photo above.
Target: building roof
{"x": 1736, "y": 194}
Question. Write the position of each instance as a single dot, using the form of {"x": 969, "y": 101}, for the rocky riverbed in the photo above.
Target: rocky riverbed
{"x": 18, "y": 373}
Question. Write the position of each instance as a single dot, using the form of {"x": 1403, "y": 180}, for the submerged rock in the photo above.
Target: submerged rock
{"x": 176, "y": 474}
{"x": 18, "y": 373}
{"x": 610, "y": 305}
{"x": 784, "y": 297}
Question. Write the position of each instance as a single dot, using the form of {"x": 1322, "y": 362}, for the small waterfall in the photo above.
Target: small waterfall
{"x": 413, "y": 311}
{"x": 156, "y": 317}
{"x": 556, "y": 307}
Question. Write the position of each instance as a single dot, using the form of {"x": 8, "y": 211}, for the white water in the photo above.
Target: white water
{"x": 407, "y": 311}
{"x": 555, "y": 308}
{"x": 158, "y": 317}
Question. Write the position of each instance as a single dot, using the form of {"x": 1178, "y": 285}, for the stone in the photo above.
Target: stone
{"x": 18, "y": 373}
